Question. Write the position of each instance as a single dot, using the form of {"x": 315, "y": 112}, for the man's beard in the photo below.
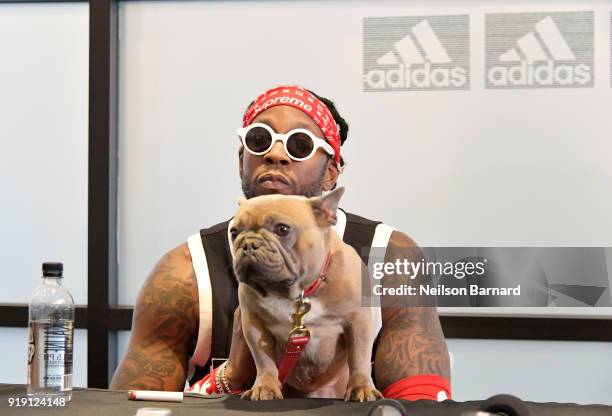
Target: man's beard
{"x": 314, "y": 188}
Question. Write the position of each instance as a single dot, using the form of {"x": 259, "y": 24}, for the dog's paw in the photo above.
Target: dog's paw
{"x": 263, "y": 392}
{"x": 362, "y": 393}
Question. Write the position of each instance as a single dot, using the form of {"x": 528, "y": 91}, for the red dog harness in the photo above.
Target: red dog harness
{"x": 299, "y": 335}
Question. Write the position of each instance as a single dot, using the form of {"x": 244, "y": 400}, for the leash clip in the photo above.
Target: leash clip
{"x": 302, "y": 307}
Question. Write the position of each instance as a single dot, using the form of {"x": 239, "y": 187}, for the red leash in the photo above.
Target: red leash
{"x": 299, "y": 334}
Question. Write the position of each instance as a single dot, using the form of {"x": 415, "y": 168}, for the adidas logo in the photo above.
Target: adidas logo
{"x": 418, "y": 60}
{"x": 541, "y": 57}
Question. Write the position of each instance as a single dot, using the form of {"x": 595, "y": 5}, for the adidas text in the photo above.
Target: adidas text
{"x": 543, "y": 74}
{"x": 420, "y": 77}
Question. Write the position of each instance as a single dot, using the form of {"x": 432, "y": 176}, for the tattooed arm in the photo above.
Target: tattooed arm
{"x": 411, "y": 340}
{"x": 164, "y": 327}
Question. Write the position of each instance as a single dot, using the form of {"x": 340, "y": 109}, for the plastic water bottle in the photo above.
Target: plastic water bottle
{"x": 51, "y": 327}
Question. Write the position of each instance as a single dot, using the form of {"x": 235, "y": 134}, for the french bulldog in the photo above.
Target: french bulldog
{"x": 280, "y": 244}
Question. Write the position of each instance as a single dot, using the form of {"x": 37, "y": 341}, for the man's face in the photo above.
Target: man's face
{"x": 275, "y": 172}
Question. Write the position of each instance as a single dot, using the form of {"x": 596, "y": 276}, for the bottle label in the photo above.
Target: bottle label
{"x": 50, "y": 354}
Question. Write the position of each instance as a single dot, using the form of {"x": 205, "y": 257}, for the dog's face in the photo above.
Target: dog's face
{"x": 280, "y": 241}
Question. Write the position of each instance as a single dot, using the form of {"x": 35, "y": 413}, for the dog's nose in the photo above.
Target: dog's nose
{"x": 251, "y": 244}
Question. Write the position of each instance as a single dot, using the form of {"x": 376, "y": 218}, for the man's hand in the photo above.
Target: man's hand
{"x": 411, "y": 340}
{"x": 164, "y": 327}
{"x": 240, "y": 367}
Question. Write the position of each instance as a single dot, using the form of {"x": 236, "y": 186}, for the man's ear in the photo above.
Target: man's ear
{"x": 331, "y": 175}
{"x": 325, "y": 207}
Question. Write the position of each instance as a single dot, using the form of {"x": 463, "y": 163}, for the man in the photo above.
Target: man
{"x": 187, "y": 305}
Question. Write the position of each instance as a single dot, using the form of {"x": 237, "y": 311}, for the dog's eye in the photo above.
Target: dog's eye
{"x": 233, "y": 233}
{"x": 282, "y": 230}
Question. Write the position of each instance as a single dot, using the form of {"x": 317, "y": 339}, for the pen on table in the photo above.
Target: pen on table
{"x": 158, "y": 396}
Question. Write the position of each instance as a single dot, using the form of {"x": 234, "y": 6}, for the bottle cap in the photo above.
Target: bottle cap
{"x": 153, "y": 411}
{"x": 52, "y": 269}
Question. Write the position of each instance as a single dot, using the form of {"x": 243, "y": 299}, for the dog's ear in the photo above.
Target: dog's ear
{"x": 241, "y": 200}
{"x": 325, "y": 207}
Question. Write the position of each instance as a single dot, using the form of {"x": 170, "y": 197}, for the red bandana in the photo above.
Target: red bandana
{"x": 300, "y": 98}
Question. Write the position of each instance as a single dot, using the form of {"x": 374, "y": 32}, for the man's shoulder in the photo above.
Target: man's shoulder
{"x": 178, "y": 255}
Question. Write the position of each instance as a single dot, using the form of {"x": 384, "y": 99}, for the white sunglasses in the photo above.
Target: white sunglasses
{"x": 300, "y": 144}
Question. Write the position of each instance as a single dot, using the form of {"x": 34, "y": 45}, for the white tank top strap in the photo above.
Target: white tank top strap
{"x": 200, "y": 265}
{"x": 382, "y": 234}
{"x": 340, "y": 225}
{"x": 229, "y": 236}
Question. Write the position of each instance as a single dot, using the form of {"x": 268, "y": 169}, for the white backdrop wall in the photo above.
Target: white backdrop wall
{"x": 43, "y": 162}
{"x": 43, "y": 131}
{"x": 483, "y": 167}
{"x": 478, "y": 167}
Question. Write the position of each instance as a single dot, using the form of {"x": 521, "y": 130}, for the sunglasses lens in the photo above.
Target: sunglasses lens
{"x": 258, "y": 139}
{"x": 300, "y": 145}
